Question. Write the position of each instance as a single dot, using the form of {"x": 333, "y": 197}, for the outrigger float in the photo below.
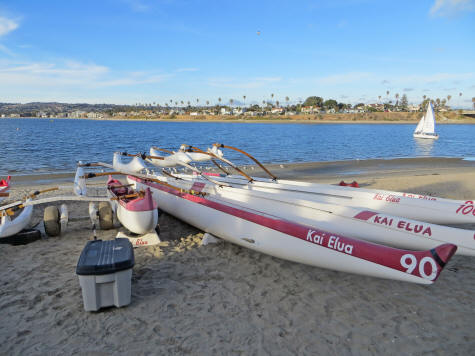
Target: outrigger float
{"x": 4, "y": 187}
{"x": 135, "y": 210}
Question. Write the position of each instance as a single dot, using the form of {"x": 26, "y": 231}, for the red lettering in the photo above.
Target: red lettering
{"x": 408, "y": 227}
{"x": 427, "y": 231}
{"x": 466, "y": 208}
{"x": 401, "y": 224}
{"x": 377, "y": 219}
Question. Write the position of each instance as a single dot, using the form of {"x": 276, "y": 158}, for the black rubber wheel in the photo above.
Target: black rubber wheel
{"x": 106, "y": 217}
{"x": 51, "y": 221}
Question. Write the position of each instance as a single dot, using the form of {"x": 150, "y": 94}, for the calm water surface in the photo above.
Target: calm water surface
{"x": 32, "y": 146}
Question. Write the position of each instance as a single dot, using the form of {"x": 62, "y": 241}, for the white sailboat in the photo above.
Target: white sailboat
{"x": 426, "y": 126}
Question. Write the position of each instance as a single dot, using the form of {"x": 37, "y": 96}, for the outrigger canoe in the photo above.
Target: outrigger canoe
{"x": 4, "y": 187}
{"x": 413, "y": 206}
{"x": 355, "y": 222}
{"x": 136, "y": 211}
{"x": 275, "y": 235}
{"x": 13, "y": 224}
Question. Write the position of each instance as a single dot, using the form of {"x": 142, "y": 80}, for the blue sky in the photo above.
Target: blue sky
{"x": 145, "y": 51}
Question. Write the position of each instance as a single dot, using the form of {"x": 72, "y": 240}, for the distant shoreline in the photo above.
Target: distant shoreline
{"x": 269, "y": 121}
{"x": 410, "y": 118}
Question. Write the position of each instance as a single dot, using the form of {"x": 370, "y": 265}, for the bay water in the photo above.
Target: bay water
{"x": 35, "y": 146}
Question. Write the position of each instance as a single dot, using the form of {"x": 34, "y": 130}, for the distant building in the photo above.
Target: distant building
{"x": 310, "y": 110}
{"x": 94, "y": 115}
{"x": 278, "y": 111}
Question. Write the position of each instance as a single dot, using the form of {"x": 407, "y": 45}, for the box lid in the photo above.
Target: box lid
{"x": 104, "y": 257}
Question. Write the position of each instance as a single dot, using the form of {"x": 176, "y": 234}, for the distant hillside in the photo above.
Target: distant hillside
{"x": 30, "y": 109}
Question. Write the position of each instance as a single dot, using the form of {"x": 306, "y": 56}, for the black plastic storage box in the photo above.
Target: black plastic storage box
{"x": 105, "y": 273}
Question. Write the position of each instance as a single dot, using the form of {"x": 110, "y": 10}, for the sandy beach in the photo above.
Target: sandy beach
{"x": 222, "y": 299}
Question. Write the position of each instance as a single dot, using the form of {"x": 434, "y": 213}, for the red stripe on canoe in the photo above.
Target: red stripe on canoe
{"x": 365, "y": 215}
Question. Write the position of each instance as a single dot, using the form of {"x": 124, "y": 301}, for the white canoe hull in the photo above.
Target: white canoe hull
{"x": 418, "y": 207}
{"x": 135, "y": 165}
{"x": 356, "y": 222}
{"x": 297, "y": 242}
{"x": 138, "y": 222}
{"x": 359, "y": 223}
{"x": 10, "y": 227}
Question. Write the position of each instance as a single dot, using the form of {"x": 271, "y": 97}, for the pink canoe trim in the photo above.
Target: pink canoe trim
{"x": 210, "y": 174}
{"x": 379, "y": 254}
{"x": 141, "y": 204}
{"x": 5, "y": 183}
{"x": 353, "y": 184}
{"x": 136, "y": 204}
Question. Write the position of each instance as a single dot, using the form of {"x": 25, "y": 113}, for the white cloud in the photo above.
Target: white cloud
{"x": 433, "y": 78}
{"x": 7, "y": 25}
{"x": 346, "y": 78}
{"x": 5, "y": 50}
{"x": 71, "y": 74}
{"x": 250, "y": 83}
{"x": 451, "y": 7}
{"x": 376, "y": 80}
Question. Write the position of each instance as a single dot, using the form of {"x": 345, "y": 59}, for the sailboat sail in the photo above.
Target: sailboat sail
{"x": 429, "y": 120}
{"x": 426, "y": 127}
{"x": 419, "y": 125}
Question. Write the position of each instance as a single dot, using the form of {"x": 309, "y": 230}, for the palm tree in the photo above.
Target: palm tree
{"x": 287, "y": 100}
{"x": 277, "y": 103}
{"x": 387, "y": 93}
{"x": 207, "y": 102}
{"x": 271, "y": 97}
{"x": 379, "y": 98}
{"x": 197, "y": 101}
{"x": 244, "y": 98}
{"x": 397, "y": 98}
{"x": 231, "y": 101}
{"x": 219, "y": 99}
